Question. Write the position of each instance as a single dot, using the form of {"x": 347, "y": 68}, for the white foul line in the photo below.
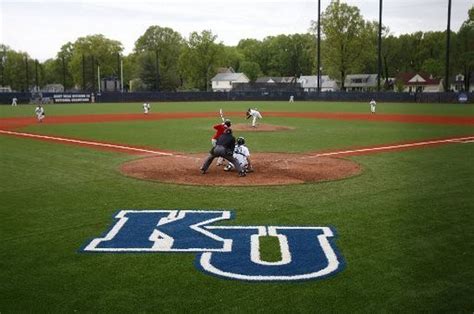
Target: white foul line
{"x": 60, "y": 139}
{"x": 372, "y": 149}
{"x": 141, "y": 150}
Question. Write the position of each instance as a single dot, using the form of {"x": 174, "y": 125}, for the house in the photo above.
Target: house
{"x": 5, "y": 89}
{"x": 110, "y": 84}
{"x": 419, "y": 83}
{"x": 361, "y": 82}
{"x": 225, "y": 70}
{"x": 458, "y": 83}
{"x": 222, "y": 82}
{"x": 310, "y": 83}
{"x": 276, "y": 79}
{"x": 53, "y": 88}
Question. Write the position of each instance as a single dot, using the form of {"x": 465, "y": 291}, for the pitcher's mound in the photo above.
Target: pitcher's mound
{"x": 263, "y": 127}
{"x": 270, "y": 169}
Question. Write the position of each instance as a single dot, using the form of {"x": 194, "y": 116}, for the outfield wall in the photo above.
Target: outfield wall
{"x": 24, "y": 98}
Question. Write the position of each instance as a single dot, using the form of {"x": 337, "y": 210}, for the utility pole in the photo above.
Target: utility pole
{"x": 448, "y": 35}
{"x": 98, "y": 76}
{"x": 83, "y": 73}
{"x": 64, "y": 72}
{"x": 27, "y": 74}
{"x": 36, "y": 76}
{"x": 379, "y": 65}
{"x": 2, "y": 64}
{"x": 92, "y": 74}
{"x": 157, "y": 81}
{"x": 121, "y": 75}
{"x": 319, "y": 47}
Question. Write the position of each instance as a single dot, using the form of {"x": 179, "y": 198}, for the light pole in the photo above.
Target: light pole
{"x": 448, "y": 35}
{"x": 2, "y": 64}
{"x": 64, "y": 72}
{"x": 379, "y": 65}
{"x": 27, "y": 75}
{"x": 319, "y": 47}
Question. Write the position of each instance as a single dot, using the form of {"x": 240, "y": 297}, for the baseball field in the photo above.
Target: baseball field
{"x": 398, "y": 216}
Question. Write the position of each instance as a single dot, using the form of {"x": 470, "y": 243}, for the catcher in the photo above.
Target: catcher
{"x": 242, "y": 156}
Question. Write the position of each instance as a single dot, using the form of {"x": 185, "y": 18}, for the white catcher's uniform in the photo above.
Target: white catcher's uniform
{"x": 39, "y": 111}
{"x": 372, "y": 106}
{"x": 255, "y": 115}
{"x": 146, "y": 108}
{"x": 241, "y": 153}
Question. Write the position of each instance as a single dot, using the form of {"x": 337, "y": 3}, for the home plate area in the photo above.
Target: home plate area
{"x": 269, "y": 169}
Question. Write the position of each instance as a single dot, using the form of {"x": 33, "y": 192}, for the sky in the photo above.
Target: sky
{"x": 41, "y": 27}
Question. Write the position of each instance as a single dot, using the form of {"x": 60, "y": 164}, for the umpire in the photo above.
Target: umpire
{"x": 224, "y": 148}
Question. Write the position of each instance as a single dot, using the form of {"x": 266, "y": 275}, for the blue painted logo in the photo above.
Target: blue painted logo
{"x": 232, "y": 252}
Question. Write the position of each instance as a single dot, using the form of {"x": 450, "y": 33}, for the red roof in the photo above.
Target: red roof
{"x": 407, "y": 76}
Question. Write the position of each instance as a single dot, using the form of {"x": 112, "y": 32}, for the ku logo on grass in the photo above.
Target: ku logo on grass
{"x": 227, "y": 251}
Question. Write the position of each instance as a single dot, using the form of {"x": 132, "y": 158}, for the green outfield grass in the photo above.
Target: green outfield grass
{"x": 299, "y": 106}
{"x": 405, "y": 225}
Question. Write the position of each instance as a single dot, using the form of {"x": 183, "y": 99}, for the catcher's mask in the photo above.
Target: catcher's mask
{"x": 240, "y": 141}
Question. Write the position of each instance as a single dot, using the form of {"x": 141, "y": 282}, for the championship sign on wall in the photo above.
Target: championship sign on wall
{"x": 72, "y": 98}
{"x": 232, "y": 252}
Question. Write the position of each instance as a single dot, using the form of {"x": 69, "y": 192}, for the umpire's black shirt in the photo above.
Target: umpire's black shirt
{"x": 227, "y": 140}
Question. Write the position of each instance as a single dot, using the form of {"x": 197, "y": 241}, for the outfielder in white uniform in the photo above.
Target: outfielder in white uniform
{"x": 146, "y": 108}
{"x": 292, "y": 99}
{"x": 14, "y": 101}
{"x": 255, "y": 115}
{"x": 39, "y": 111}
{"x": 242, "y": 155}
{"x": 372, "y": 106}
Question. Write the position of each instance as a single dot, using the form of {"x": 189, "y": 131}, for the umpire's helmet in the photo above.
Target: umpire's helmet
{"x": 240, "y": 141}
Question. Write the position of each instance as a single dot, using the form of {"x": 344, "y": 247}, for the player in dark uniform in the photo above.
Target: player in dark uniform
{"x": 224, "y": 148}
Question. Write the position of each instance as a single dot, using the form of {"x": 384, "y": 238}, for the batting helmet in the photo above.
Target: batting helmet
{"x": 240, "y": 141}
{"x": 227, "y": 122}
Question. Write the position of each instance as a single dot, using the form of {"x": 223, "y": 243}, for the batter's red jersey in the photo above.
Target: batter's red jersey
{"x": 220, "y": 128}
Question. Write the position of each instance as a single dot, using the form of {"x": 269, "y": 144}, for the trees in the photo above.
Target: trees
{"x": 251, "y": 69}
{"x": 464, "y": 49}
{"x": 345, "y": 35}
{"x": 158, "y": 51}
{"x": 199, "y": 59}
{"x": 17, "y": 69}
{"x": 89, "y": 52}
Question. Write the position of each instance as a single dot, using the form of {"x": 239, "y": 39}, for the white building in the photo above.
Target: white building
{"x": 360, "y": 82}
{"x": 222, "y": 82}
{"x": 310, "y": 83}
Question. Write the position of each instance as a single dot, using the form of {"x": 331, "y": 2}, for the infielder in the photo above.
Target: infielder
{"x": 372, "y": 105}
{"x": 146, "y": 108}
{"x": 39, "y": 111}
{"x": 254, "y": 114}
{"x": 241, "y": 155}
